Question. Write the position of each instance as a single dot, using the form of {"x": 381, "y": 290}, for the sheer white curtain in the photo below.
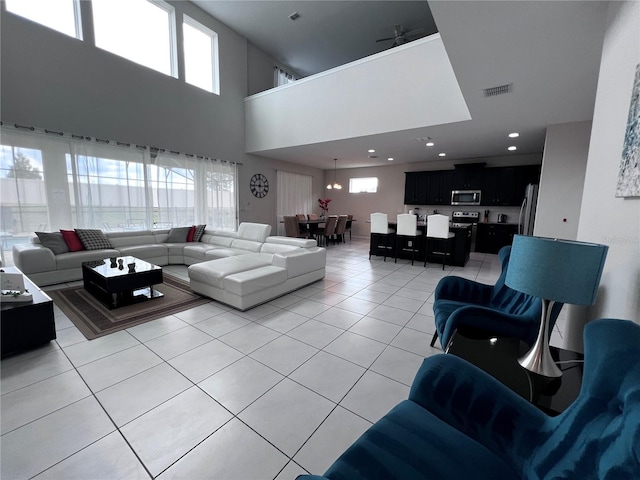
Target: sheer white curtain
{"x": 108, "y": 186}
{"x": 188, "y": 191}
{"x": 294, "y": 195}
{"x": 51, "y": 180}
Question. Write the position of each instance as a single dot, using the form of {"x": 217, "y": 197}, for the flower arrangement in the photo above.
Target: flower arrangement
{"x": 324, "y": 204}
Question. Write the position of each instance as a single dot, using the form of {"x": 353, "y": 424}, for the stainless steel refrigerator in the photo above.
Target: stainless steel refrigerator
{"x": 528, "y": 210}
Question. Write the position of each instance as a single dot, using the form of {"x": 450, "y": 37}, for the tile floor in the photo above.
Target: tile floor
{"x": 270, "y": 393}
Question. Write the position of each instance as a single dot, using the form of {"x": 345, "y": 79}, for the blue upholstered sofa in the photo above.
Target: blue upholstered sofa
{"x": 460, "y": 423}
{"x": 496, "y": 308}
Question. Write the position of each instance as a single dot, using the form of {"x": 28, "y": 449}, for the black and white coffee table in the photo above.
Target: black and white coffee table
{"x": 115, "y": 284}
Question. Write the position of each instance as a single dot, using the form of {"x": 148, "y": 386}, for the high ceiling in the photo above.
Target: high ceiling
{"x": 548, "y": 52}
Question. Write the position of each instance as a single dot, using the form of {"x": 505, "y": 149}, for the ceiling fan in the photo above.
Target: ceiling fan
{"x": 401, "y": 36}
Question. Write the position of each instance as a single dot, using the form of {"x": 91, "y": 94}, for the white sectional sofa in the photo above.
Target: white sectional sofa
{"x": 241, "y": 269}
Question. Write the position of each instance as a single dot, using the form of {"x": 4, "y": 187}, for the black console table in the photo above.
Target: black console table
{"x": 498, "y": 356}
{"x": 26, "y": 324}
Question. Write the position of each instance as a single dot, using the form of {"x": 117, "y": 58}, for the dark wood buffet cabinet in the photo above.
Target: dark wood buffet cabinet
{"x": 499, "y": 186}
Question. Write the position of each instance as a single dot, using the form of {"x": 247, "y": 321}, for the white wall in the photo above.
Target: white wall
{"x": 420, "y": 90}
{"x": 561, "y": 182}
{"x": 605, "y": 218}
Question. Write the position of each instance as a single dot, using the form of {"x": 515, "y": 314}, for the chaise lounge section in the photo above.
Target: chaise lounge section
{"x": 241, "y": 269}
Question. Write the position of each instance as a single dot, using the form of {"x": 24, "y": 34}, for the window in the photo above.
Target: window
{"x": 363, "y": 185}
{"x": 280, "y": 77}
{"x": 61, "y": 15}
{"x": 200, "y": 55}
{"x": 139, "y": 30}
{"x": 23, "y": 195}
{"x": 49, "y": 182}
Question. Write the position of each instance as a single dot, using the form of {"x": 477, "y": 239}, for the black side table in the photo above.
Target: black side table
{"x": 498, "y": 356}
{"x": 26, "y": 325}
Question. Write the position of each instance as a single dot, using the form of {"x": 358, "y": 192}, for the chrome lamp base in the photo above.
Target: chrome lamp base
{"x": 538, "y": 359}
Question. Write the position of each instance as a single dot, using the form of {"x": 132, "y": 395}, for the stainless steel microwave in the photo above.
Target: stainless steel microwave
{"x": 465, "y": 197}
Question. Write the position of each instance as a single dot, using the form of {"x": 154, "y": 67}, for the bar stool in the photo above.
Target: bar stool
{"x": 438, "y": 229}
{"x": 382, "y": 237}
{"x": 407, "y": 234}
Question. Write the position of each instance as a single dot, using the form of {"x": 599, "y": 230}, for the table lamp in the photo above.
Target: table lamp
{"x": 556, "y": 271}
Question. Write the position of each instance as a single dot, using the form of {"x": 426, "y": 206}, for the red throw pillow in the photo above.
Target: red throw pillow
{"x": 190, "y": 234}
{"x": 72, "y": 240}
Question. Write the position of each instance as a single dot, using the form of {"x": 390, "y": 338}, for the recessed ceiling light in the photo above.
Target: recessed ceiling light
{"x": 371, "y": 150}
{"x": 430, "y": 144}
{"x": 514, "y": 135}
{"x": 390, "y": 159}
{"x": 442, "y": 154}
{"x": 512, "y": 148}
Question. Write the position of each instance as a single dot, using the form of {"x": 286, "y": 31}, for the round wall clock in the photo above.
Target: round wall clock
{"x": 259, "y": 185}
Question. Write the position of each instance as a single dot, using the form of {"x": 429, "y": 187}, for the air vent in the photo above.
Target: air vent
{"x": 373, "y": 156}
{"x": 500, "y": 90}
{"x": 294, "y": 16}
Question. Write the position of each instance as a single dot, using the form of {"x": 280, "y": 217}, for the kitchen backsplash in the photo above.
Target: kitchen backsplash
{"x": 512, "y": 213}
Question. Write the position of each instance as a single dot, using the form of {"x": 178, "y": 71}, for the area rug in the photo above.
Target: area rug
{"x": 95, "y": 320}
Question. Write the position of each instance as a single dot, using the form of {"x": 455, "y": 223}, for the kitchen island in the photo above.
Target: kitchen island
{"x": 458, "y": 252}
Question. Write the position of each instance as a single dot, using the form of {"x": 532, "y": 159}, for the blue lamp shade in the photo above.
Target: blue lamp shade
{"x": 559, "y": 270}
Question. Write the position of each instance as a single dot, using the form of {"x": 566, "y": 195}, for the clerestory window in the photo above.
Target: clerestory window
{"x": 61, "y": 15}
{"x": 142, "y": 31}
{"x": 200, "y": 55}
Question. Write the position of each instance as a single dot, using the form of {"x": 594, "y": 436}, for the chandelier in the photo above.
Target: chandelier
{"x": 335, "y": 185}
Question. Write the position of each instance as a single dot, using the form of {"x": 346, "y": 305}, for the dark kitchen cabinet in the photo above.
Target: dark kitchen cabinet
{"x": 415, "y": 188}
{"x": 491, "y": 237}
{"x": 439, "y": 186}
{"x": 505, "y": 186}
{"x": 468, "y": 177}
{"x": 500, "y": 186}
{"x": 524, "y": 176}
{"x": 428, "y": 188}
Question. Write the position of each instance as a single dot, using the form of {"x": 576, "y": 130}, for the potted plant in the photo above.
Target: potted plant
{"x": 324, "y": 206}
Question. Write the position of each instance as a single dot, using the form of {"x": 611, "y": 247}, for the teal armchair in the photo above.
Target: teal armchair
{"x": 461, "y": 423}
{"x": 495, "y": 308}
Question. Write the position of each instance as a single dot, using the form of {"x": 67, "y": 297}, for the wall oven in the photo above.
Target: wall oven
{"x": 465, "y": 197}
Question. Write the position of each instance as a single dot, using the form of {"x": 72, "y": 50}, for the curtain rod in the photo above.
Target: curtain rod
{"x": 153, "y": 150}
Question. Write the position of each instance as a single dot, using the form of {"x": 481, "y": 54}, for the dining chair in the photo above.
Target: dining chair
{"x": 340, "y": 228}
{"x": 438, "y": 230}
{"x": 292, "y": 228}
{"x": 382, "y": 237}
{"x": 303, "y": 228}
{"x": 329, "y": 229}
{"x": 313, "y": 228}
{"x": 407, "y": 234}
{"x": 347, "y": 228}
